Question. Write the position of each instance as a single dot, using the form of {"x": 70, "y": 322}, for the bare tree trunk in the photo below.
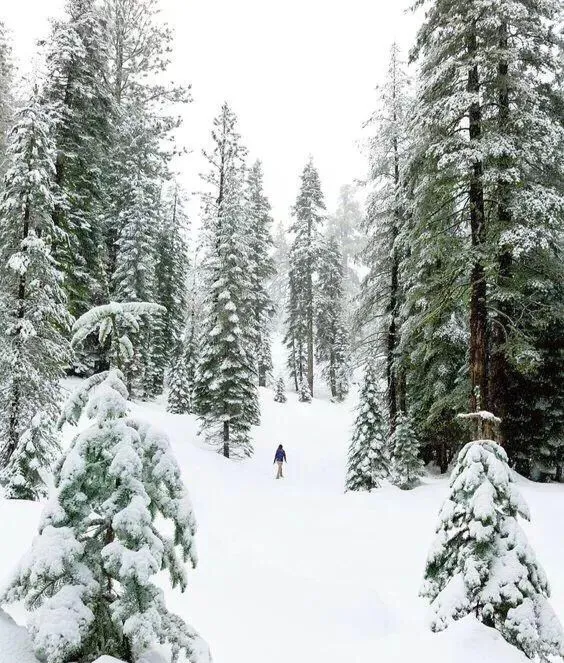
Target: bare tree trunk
{"x": 478, "y": 308}
{"x": 226, "y": 439}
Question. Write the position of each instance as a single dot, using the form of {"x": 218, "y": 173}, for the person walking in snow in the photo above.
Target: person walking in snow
{"x": 280, "y": 459}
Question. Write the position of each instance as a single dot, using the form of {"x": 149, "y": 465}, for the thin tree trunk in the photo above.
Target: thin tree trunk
{"x": 499, "y": 367}
{"x": 478, "y": 310}
{"x": 226, "y": 439}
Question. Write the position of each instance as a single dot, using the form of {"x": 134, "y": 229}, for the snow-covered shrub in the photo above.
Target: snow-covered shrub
{"x": 280, "y": 391}
{"x": 406, "y": 463}
{"x": 88, "y": 578}
{"x": 368, "y": 457}
{"x": 481, "y": 562}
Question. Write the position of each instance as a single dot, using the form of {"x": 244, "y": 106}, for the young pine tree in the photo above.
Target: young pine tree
{"x": 331, "y": 335}
{"x": 481, "y": 562}
{"x": 225, "y": 392}
{"x": 406, "y": 463}
{"x": 368, "y": 461}
{"x": 33, "y": 315}
{"x": 309, "y": 214}
{"x": 89, "y": 577}
{"x": 304, "y": 394}
{"x": 280, "y": 391}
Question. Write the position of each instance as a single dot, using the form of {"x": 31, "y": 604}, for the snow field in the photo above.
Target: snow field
{"x": 298, "y": 570}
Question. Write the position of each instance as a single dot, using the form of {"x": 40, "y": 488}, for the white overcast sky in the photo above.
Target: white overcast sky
{"x": 300, "y": 74}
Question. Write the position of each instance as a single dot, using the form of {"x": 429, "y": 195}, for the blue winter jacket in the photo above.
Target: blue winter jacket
{"x": 280, "y": 455}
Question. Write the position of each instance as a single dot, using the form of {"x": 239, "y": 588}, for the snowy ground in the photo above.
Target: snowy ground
{"x": 296, "y": 570}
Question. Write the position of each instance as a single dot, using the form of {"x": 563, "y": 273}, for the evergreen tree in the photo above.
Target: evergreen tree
{"x": 89, "y": 575}
{"x": 481, "y": 562}
{"x": 76, "y": 85}
{"x": 171, "y": 284}
{"x": 304, "y": 394}
{"x": 278, "y": 285}
{"x": 309, "y": 214}
{"x": 280, "y": 391}
{"x": 368, "y": 455}
{"x": 258, "y": 211}
{"x": 382, "y": 290}
{"x": 489, "y": 140}
{"x": 331, "y": 335}
{"x": 182, "y": 377}
{"x": 345, "y": 226}
{"x": 406, "y": 464}
{"x": 33, "y": 315}
{"x": 225, "y": 391}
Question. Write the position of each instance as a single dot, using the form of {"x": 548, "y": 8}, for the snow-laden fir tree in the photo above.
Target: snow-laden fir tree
{"x": 33, "y": 315}
{"x": 345, "y": 226}
{"x": 278, "y": 285}
{"x": 280, "y": 391}
{"x": 260, "y": 245}
{"x": 304, "y": 393}
{"x": 481, "y": 562}
{"x": 182, "y": 375}
{"x": 487, "y": 169}
{"x": 368, "y": 458}
{"x": 171, "y": 284}
{"x": 309, "y": 214}
{"x": 225, "y": 393}
{"x": 89, "y": 576}
{"x": 75, "y": 84}
{"x": 406, "y": 465}
{"x": 134, "y": 280}
{"x": 381, "y": 294}
{"x": 331, "y": 336}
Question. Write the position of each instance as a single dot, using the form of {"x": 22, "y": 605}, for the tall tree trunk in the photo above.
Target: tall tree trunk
{"x": 478, "y": 305}
{"x": 226, "y": 439}
{"x": 499, "y": 366}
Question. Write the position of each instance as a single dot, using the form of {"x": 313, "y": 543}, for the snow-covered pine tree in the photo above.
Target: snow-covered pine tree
{"x": 134, "y": 279}
{"x": 6, "y": 101}
{"x": 309, "y": 214}
{"x": 33, "y": 315}
{"x": 304, "y": 394}
{"x": 225, "y": 392}
{"x": 171, "y": 284}
{"x": 278, "y": 285}
{"x": 76, "y": 86}
{"x": 260, "y": 245}
{"x": 406, "y": 464}
{"x": 88, "y": 578}
{"x": 368, "y": 459}
{"x": 331, "y": 338}
{"x": 381, "y": 293}
{"x": 182, "y": 376}
{"x": 345, "y": 226}
{"x": 481, "y": 562}
{"x": 280, "y": 391}
{"x": 487, "y": 112}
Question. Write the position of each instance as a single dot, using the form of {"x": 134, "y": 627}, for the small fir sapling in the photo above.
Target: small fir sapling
{"x": 481, "y": 562}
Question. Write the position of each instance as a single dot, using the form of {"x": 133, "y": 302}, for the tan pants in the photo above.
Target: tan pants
{"x": 279, "y": 474}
